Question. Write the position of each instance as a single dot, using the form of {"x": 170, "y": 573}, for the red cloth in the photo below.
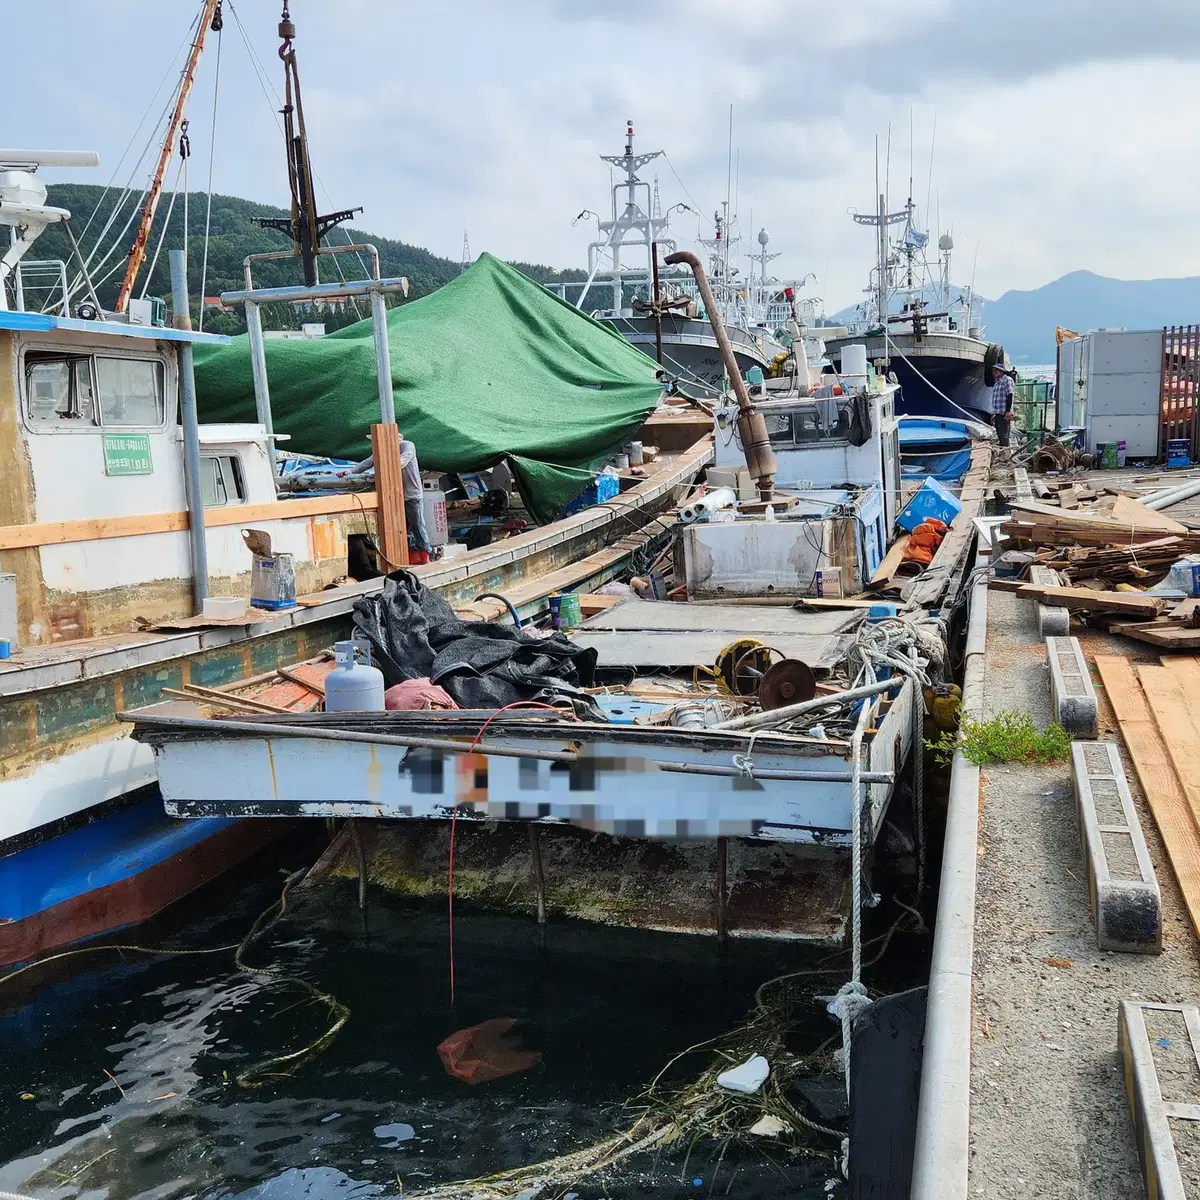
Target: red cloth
{"x": 415, "y": 695}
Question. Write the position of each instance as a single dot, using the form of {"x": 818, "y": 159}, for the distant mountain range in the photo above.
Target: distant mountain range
{"x": 1024, "y": 322}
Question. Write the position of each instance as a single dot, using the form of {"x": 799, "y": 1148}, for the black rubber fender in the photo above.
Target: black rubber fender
{"x": 994, "y": 355}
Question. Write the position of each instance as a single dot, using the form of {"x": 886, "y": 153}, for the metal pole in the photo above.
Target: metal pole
{"x": 657, "y": 310}
{"x": 722, "y": 888}
{"x": 383, "y": 359}
{"x": 191, "y": 432}
{"x": 775, "y": 716}
{"x": 258, "y": 367}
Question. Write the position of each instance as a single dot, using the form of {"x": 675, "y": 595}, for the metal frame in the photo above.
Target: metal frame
{"x": 1179, "y": 387}
{"x": 375, "y": 287}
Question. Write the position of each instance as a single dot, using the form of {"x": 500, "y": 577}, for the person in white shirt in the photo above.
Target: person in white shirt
{"x": 414, "y": 512}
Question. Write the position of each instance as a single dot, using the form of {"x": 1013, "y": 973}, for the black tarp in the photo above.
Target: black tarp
{"x": 483, "y": 664}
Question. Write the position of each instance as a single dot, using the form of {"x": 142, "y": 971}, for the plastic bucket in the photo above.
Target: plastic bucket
{"x": 1178, "y": 452}
{"x": 568, "y": 611}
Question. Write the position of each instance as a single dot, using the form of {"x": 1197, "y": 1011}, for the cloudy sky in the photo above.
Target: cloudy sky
{"x": 1064, "y": 131}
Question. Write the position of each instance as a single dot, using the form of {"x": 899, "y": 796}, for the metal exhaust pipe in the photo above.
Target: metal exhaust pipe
{"x": 752, "y": 428}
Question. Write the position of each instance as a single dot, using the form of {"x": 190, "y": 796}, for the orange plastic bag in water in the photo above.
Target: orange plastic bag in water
{"x": 488, "y": 1051}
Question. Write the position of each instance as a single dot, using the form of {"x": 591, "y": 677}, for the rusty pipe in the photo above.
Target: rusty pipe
{"x": 752, "y": 428}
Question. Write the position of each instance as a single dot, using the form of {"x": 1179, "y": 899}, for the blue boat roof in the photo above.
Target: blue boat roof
{"x": 45, "y": 323}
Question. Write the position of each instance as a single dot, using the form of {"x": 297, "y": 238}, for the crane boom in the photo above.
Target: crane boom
{"x": 209, "y": 19}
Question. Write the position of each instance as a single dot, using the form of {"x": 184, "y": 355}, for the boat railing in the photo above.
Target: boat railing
{"x": 45, "y": 280}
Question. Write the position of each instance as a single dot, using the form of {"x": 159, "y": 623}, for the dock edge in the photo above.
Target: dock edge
{"x": 942, "y": 1153}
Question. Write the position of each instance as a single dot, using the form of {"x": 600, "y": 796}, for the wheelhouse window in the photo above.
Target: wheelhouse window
{"x": 131, "y": 391}
{"x": 59, "y": 388}
{"x": 221, "y": 480}
{"x": 93, "y": 390}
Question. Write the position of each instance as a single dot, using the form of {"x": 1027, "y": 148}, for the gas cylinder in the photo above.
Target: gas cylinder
{"x": 353, "y": 685}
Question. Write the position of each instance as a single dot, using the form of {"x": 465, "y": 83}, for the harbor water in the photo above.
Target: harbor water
{"x": 121, "y": 1071}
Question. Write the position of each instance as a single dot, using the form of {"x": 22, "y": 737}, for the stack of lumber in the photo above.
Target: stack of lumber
{"x": 1158, "y": 711}
{"x": 1103, "y": 556}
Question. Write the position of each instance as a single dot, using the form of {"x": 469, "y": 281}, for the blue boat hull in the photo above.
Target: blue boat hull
{"x": 933, "y": 447}
{"x": 113, "y": 872}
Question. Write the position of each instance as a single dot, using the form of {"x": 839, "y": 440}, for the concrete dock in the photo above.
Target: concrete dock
{"x": 1049, "y": 1112}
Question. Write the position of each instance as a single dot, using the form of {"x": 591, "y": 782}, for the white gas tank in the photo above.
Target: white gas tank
{"x": 433, "y": 507}
{"x": 353, "y": 685}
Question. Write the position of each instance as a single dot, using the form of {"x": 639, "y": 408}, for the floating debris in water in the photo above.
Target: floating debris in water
{"x": 397, "y": 1134}
{"x": 484, "y": 1052}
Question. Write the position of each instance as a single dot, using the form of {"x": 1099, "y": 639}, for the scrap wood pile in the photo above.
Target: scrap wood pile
{"x": 1115, "y": 564}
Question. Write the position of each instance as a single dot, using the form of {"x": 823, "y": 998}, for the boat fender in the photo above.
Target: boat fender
{"x": 993, "y": 357}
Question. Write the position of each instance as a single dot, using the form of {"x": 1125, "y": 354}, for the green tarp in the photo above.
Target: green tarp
{"x": 492, "y": 366}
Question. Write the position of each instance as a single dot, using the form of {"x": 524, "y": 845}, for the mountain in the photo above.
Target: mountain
{"x": 1025, "y": 321}
{"x": 233, "y": 233}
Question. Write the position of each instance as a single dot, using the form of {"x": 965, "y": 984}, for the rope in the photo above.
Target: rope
{"x": 918, "y": 784}
{"x": 259, "y": 1074}
{"x": 856, "y": 801}
{"x": 212, "y": 150}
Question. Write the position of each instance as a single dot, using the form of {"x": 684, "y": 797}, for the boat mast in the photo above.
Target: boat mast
{"x": 304, "y": 226}
{"x": 210, "y": 18}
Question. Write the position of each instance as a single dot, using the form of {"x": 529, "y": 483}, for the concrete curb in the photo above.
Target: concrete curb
{"x": 1127, "y": 911}
{"x": 1052, "y": 619}
{"x": 942, "y": 1152}
{"x": 1071, "y": 692}
{"x": 1151, "y": 1114}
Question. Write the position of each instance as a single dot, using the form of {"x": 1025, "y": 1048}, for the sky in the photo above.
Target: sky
{"x": 1059, "y": 135}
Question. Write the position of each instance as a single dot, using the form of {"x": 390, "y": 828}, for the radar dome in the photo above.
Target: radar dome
{"x": 945, "y": 242}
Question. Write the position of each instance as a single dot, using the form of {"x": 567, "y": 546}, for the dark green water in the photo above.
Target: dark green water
{"x": 376, "y": 1112}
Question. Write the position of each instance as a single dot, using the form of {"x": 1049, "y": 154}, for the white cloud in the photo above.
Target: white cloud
{"x": 1062, "y": 138}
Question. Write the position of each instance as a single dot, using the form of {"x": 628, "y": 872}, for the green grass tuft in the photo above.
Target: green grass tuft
{"x": 1009, "y": 736}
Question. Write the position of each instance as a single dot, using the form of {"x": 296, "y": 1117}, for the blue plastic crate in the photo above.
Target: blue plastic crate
{"x": 933, "y": 500}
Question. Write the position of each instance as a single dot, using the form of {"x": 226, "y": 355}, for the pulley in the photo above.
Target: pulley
{"x": 788, "y": 681}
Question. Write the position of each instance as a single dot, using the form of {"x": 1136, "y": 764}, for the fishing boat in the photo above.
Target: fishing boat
{"x": 722, "y": 760}
{"x": 918, "y": 327}
{"x": 124, "y": 572}
{"x": 662, "y": 313}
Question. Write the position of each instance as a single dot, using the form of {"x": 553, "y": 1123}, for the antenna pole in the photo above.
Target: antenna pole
{"x": 210, "y": 18}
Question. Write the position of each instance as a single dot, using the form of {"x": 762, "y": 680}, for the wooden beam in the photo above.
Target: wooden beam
{"x": 1087, "y": 598}
{"x": 59, "y": 533}
{"x": 1166, "y": 634}
{"x": 1160, "y": 784}
{"x": 389, "y": 489}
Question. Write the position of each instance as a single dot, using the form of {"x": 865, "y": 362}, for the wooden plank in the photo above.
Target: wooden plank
{"x": 212, "y": 696}
{"x": 1086, "y": 598}
{"x": 1178, "y": 730}
{"x": 892, "y": 560}
{"x": 590, "y": 604}
{"x": 389, "y": 488}
{"x": 1132, "y": 512}
{"x": 59, "y": 533}
{"x": 1186, "y": 672}
{"x": 1160, "y": 783}
{"x": 1166, "y": 635}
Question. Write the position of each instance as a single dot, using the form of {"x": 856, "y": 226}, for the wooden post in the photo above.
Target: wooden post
{"x": 539, "y": 875}
{"x": 389, "y": 490}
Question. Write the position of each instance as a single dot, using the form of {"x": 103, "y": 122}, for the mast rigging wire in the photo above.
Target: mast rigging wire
{"x": 212, "y": 149}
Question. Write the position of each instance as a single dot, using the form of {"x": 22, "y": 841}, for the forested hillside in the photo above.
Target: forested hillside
{"x": 233, "y": 234}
